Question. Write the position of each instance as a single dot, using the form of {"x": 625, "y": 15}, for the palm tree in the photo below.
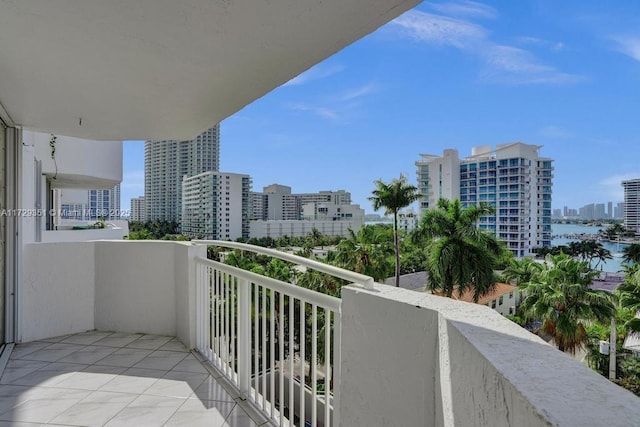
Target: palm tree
{"x": 393, "y": 197}
{"x": 521, "y": 271}
{"x": 461, "y": 255}
{"x": 628, "y": 294}
{"x": 631, "y": 253}
{"x": 559, "y": 295}
{"x": 364, "y": 253}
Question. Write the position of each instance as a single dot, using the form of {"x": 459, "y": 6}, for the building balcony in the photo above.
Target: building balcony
{"x": 228, "y": 343}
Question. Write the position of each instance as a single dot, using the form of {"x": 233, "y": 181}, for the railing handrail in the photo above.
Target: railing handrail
{"x": 353, "y": 277}
{"x": 298, "y": 292}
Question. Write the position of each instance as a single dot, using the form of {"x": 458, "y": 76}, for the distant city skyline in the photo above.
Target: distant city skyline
{"x": 563, "y": 75}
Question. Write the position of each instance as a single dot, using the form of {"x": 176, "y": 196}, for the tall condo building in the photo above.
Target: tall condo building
{"x": 167, "y": 162}
{"x": 90, "y": 204}
{"x": 138, "y": 210}
{"x": 215, "y": 205}
{"x": 513, "y": 178}
{"x": 631, "y": 207}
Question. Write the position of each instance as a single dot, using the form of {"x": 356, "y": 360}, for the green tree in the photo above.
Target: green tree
{"x": 392, "y": 197}
{"x": 140, "y": 235}
{"x": 560, "y": 296}
{"x": 628, "y": 294}
{"x": 460, "y": 255}
{"x": 631, "y": 253}
{"x": 365, "y": 253}
{"x": 520, "y": 271}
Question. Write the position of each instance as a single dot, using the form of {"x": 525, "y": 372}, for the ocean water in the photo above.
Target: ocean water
{"x": 612, "y": 266}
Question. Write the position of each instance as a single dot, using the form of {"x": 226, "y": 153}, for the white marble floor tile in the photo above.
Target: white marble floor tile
{"x": 149, "y": 342}
{"x": 88, "y": 355}
{"x": 21, "y": 350}
{"x": 161, "y": 359}
{"x": 174, "y": 345}
{"x": 91, "y": 378}
{"x": 190, "y": 364}
{"x": 43, "y": 404}
{"x": 96, "y": 409}
{"x": 125, "y": 357}
{"x": 177, "y": 384}
{"x": 17, "y": 368}
{"x": 211, "y": 389}
{"x": 147, "y": 411}
{"x": 134, "y": 380}
{"x": 239, "y": 418}
{"x": 117, "y": 339}
{"x": 12, "y": 395}
{"x": 199, "y": 413}
{"x": 53, "y": 352}
{"x": 86, "y": 338}
{"x": 49, "y": 375}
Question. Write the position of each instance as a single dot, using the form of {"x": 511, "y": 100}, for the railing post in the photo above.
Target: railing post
{"x": 244, "y": 337}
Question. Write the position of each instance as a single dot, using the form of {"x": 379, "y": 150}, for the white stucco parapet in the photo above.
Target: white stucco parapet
{"x": 418, "y": 359}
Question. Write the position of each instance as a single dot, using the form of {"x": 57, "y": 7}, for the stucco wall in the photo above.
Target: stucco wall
{"x": 56, "y": 294}
{"x": 124, "y": 286}
{"x": 135, "y": 287}
{"x": 416, "y": 359}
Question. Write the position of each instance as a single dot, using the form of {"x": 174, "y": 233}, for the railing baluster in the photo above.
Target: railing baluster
{"x": 314, "y": 365}
{"x": 327, "y": 359}
{"x": 263, "y": 367}
{"x": 272, "y": 363}
{"x": 291, "y": 371}
{"x": 244, "y": 337}
{"x": 227, "y": 330}
{"x": 232, "y": 341}
{"x": 303, "y": 306}
{"x": 256, "y": 346}
{"x": 281, "y": 358}
{"x": 231, "y": 303}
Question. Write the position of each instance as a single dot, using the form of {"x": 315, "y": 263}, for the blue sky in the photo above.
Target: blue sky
{"x": 451, "y": 74}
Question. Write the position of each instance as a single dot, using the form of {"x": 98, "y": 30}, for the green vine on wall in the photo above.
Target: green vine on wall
{"x": 52, "y": 145}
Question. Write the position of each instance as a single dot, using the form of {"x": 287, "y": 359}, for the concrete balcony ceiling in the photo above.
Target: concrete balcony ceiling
{"x": 150, "y": 69}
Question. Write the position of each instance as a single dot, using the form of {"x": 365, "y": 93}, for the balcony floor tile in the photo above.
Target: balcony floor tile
{"x": 103, "y": 378}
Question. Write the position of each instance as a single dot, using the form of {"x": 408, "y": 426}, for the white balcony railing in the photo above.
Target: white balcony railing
{"x": 396, "y": 357}
{"x": 278, "y": 343}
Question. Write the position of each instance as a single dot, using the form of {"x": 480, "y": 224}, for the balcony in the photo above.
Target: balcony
{"x": 393, "y": 356}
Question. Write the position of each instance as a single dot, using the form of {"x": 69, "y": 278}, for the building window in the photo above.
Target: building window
{"x": 500, "y": 303}
{"x": 493, "y": 304}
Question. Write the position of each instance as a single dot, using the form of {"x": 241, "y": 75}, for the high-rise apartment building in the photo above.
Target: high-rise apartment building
{"x": 277, "y": 202}
{"x": 632, "y": 205}
{"x": 216, "y": 205}
{"x": 138, "y": 209}
{"x": 90, "y": 205}
{"x": 165, "y": 165}
{"x": 277, "y": 212}
{"x": 104, "y": 203}
{"x": 512, "y": 178}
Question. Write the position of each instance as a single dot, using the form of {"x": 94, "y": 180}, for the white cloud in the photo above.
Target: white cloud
{"x": 628, "y": 45}
{"x": 359, "y": 92}
{"x": 465, "y": 8}
{"x": 440, "y": 30}
{"x": 502, "y": 63}
{"x": 509, "y": 64}
{"x": 611, "y": 186}
{"x": 316, "y": 72}
{"x": 323, "y": 112}
{"x": 535, "y": 41}
{"x": 555, "y": 132}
